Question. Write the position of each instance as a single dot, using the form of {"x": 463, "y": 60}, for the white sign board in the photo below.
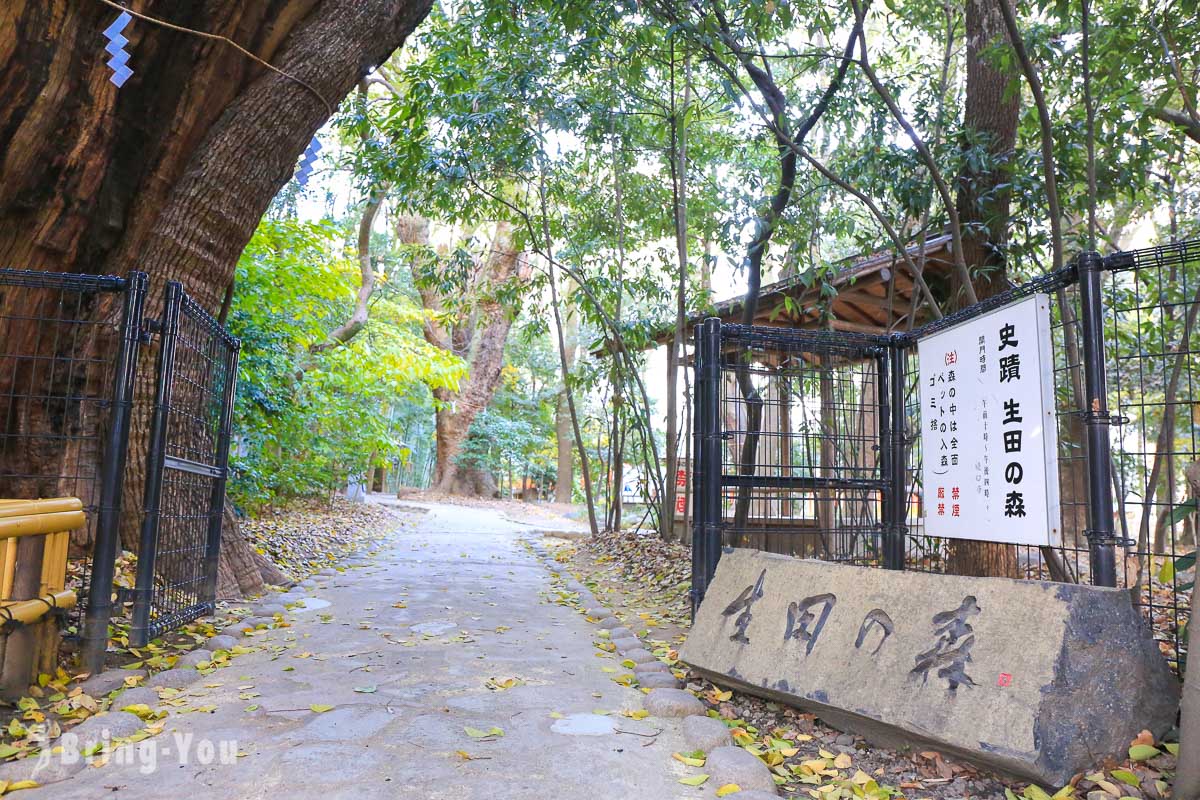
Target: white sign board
{"x": 989, "y": 440}
{"x": 634, "y": 488}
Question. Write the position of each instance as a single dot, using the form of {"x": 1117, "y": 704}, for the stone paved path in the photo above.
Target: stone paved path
{"x": 477, "y": 606}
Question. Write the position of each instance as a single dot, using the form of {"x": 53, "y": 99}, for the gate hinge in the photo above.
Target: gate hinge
{"x": 1106, "y": 538}
{"x": 1092, "y": 416}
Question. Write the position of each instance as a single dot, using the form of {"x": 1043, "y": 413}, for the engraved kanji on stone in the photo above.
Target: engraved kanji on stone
{"x": 741, "y": 607}
{"x": 800, "y": 616}
{"x": 876, "y": 618}
{"x": 949, "y": 655}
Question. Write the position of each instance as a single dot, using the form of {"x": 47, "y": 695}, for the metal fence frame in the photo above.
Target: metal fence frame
{"x": 190, "y": 434}
{"x": 107, "y": 353}
{"x": 1083, "y": 355}
{"x": 86, "y": 353}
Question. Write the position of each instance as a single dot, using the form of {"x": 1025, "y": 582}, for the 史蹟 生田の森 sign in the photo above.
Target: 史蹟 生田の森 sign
{"x": 988, "y": 434}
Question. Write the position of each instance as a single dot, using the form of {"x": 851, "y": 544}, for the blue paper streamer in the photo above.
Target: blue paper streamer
{"x": 306, "y": 163}
{"x": 116, "y": 48}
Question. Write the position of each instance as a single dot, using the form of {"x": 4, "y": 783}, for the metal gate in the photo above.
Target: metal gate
{"x": 68, "y": 355}
{"x": 771, "y": 473}
{"x": 186, "y": 469}
{"x": 845, "y": 482}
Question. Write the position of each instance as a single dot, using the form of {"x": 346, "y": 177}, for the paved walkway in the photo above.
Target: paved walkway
{"x": 402, "y": 654}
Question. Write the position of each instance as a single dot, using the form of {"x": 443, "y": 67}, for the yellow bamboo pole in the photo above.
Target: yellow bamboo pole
{"x": 39, "y": 524}
{"x": 53, "y": 518}
{"x": 29, "y": 611}
{"x": 8, "y": 563}
{"x": 15, "y": 508}
{"x": 54, "y": 562}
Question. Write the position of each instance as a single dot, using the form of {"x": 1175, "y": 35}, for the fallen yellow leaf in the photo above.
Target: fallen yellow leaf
{"x": 691, "y": 762}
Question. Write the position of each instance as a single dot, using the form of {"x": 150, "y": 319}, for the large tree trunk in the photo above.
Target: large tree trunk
{"x": 991, "y": 112}
{"x": 243, "y": 570}
{"x": 171, "y": 173}
{"x": 485, "y": 358}
{"x": 479, "y": 339}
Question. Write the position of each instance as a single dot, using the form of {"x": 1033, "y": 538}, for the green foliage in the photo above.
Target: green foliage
{"x": 305, "y": 421}
{"x": 514, "y": 437}
{"x": 563, "y": 119}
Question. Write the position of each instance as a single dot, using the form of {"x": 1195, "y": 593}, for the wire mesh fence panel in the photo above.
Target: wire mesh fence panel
{"x": 1149, "y": 314}
{"x": 1152, "y": 302}
{"x": 800, "y": 457}
{"x": 187, "y": 470}
{"x": 789, "y": 433}
{"x": 1066, "y": 562}
{"x": 67, "y": 343}
{"x": 809, "y": 443}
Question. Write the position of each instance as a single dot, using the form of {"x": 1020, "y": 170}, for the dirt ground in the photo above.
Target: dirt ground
{"x": 649, "y": 579}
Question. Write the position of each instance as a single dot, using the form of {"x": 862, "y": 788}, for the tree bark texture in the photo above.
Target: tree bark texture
{"x": 992, "y": 108}
{"x": 991, "y": 112}
{"x": 171, "y": 173}
{"x": 478, "y": 339}
{"x": 243, "y": 570}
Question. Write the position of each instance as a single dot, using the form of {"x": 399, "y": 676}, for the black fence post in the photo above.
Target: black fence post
{"x": 94, "y": 636}
{"x": 709, "y": 418}
{"x": 896, "y": 474}
{"x": 212, "y": 549}
{"x": 143, "y": 593}
{"x": 887, "y": 490}
{"x": 1100, "y": 533}
{"x": 699, "y": 390}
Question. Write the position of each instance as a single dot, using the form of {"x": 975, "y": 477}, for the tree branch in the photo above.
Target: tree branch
{"x": 1180, "y": 119}
{"x": 358, "y": 318}
{"x": 1047, "y": 132}
{"x": 917, "y": 273}
{"x": 935, "y": 174}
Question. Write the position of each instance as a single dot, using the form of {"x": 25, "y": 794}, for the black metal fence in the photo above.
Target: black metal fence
{"x": 799, "y": 457}
{"x": 808, "y": 442}
{"x": 187, "y": 467}
{"x": 71, "y": 351}
{"x": 68, "y": 344}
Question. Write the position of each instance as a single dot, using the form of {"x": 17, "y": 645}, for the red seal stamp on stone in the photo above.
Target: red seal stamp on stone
{"x": 1004, "y": 680}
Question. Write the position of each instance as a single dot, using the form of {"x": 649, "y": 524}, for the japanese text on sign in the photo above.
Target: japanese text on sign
{"x": 988, "y": 433}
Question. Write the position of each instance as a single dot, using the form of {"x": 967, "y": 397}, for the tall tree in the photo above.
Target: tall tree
{"x": 171, "y": 173}
{"x": 564, "y": 479}
{"x": 474, "y": 326}
{"x": 991, "y": 110}
{"x": 675, "y": 353}
{"x": 731, "y": 57}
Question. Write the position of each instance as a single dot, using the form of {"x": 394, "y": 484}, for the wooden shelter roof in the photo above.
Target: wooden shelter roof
{"x": 874, "y": 295}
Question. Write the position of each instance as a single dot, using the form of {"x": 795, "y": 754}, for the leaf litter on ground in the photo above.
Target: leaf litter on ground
{"x": 648, "y": 580}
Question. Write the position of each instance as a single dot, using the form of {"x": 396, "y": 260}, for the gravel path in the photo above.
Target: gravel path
{"x": 446, "y": 665}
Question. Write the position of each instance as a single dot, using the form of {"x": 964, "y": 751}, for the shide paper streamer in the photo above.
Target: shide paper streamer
{"x": 119, "y": 63}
